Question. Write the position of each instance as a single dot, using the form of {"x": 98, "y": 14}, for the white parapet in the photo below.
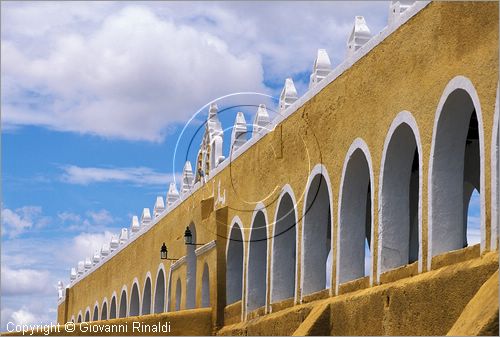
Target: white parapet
{"x": 288, "y": 94}
{"x": 159, "y": 206}
{"x": 261, "y": 121}
{"x": 239, "y": 133}
{"x": 124, "y": 235}
{"x": 322, "y": 67}
{"x": 114, "y": 243}
{"x": 105, "y": 250}
{"x": 145, "y": 217}
{"x": 81, "y": 267}
{"x": 396, "y": 8}
{"x": 359, "y": 36}
{"x": 134, "y": 225}
{"x": 172, "y": 195}
{"x": 72, "y": 274}
{"x": 88, "y": 263}
{"x": 187, "y": 178}
{"x": 96, "y": 258}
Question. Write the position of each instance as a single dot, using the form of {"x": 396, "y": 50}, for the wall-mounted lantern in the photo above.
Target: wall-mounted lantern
{"x": 188, "y": 238}
{"x": 164, "y": 253}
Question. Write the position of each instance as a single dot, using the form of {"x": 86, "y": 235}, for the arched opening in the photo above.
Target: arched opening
{"x": 455, "y": 172}
{"x": 123, "y": 304}
{"x": 205, "y": 288}
{"x": 473, "y": 216}
{"x": 79, "y": 318}
{"x": 284, "y": 250}
{"x": 104, "y": 311}
{"x": 354, "y": 249}
{"x": 257, "y": 263}
{"x": 399, "y": 200}
{"x": 178, "y": 295}
{"x": 87, "y": 315}
{"x": 191, "y": 271}
{"x": 146, "y": 297}
{"x": 234, "y": 265}
{"x": 317, "y": 236}
{"x": 95, "y": 316}
{"x": 112, "y": 308}
{"x": 134, "y": 301}
{"x": 160, "y": 292}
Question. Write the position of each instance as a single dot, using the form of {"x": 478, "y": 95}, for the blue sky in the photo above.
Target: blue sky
{"x": 95, "y": 95}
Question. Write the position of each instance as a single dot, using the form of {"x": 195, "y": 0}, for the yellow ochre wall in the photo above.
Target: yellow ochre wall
{"x": 409, "y": 71}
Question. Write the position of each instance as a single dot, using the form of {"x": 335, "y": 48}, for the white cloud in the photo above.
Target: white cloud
{"x": 25, "y": 281}
{"x": 132, "y": 71}
{"x": 84, "y": 245}
{"x": 130, "y": 78}
{"x": 135, "y": 175}
{"x": 20, "y": 220}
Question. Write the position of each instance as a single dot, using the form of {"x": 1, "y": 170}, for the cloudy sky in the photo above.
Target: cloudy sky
{"x": 94, "y": 97}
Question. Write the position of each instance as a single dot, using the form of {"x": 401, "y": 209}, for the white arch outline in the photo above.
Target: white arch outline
{"x": 260, "y": 207}
{"x": 287, "y": 189}
{"x": 119, "y": 305}
{"x": 105, "y": 301}
{"x": 96, "y": 305}
{"x": 87, "y": 310}
{"x": 357, "y": 144}
{"x": 134, "y": 282}
{"x": 404, "y": 117}
{"x": 148, "y": 275}
{"x": 495, "y": 163}
{"x": 72, "y": 319}
{"x": 318, "y": 169}
{"x": 80, "y": 315}
{"x": 178, "y": 280}
{"x": 165, "y": 281}
{"x": 463, "y": 83}
{"x": 113, "y": 295}
{"x": 237, "y": 221}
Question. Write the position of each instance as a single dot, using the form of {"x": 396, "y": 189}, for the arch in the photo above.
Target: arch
{"x": 95, "y": 316}
{"x": 112, "y": 307}
{"x": 495, "y": 177}
{"x": 456, "y": 158}
{"x": 104, "y": 309}
{"x": 355, "y": 220}
{"x": 316, "y": 231}
{"x": 205, "y": 287}
{"x": 191, "y": 271}
{"x": 400, "y": 191}
{"x": 135, "y": 299}
{"x": 79, "y": 320}
{"x": 234, "y": 264}
{"x": 123, "y": 303}
{"x": 87, "y": 314}
{"x": 146, "y": 295}
{"x": 284, "y": 247}
{"x": 72, "y": 319}
{"x": 257, "y": 260}
{"x": 178, "y": 295}
{"x": 159, "y": 301}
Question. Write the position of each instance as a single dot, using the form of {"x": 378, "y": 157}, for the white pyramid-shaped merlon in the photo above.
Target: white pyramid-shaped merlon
{"x": 288, "y": 95}
{"x": 239, "y": 134}
{"x": 145, "y": 217}
{"x": 60, "y": 290}
{"x": 88, "y": 263}
{"x": 359, "y": 36}
{"x": 322, "y": 67}
{"x": 72, "y": 274}
{"x": 261, "y": 121}
{"x": 96, "y": 258}
{"x": 159, "y": 206}
{"x": 172, "y": 195}
{"x": 396, "y": 8}
{"x": 134, "y": 225}
{"x": 81, "y": 267}
{"x": 114, "y": 243}
{"x": 105, "y": 250}
{"x": 124, "y": 235}
{"x": 187, "y": 178}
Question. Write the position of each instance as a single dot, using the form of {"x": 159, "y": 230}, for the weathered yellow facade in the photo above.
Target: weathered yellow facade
{"x": 408, "y": 71}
